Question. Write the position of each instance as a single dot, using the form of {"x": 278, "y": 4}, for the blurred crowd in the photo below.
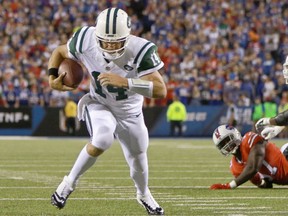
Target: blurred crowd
{"x": 215, "y": 52}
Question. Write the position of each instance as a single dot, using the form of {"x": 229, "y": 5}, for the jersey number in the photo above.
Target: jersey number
{"x": 121, "y": 92}
{"x": 155, "y": 58}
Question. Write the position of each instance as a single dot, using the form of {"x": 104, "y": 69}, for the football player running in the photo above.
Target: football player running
{"x": 123, "y": 68}
{"x": 254, "y": 158}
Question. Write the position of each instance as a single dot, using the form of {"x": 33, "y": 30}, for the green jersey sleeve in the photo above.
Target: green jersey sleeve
{"x": 76, "y": 44}
{"x": 150, "y": 59}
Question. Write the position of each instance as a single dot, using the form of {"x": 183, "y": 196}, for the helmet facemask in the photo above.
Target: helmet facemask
{"x": 112, "y": 49}
{"x": 112, "y": 31}
{"x": 229, "y": 145}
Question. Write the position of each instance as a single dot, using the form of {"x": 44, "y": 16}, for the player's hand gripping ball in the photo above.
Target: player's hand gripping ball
{"x": 74, "y": 73}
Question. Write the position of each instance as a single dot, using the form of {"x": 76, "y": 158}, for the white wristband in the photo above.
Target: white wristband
{"x": 233, "y": 184}
{"x": 140, "y": 86}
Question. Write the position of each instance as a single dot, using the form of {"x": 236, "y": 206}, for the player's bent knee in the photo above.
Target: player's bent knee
{"x": 94, "y": 151}
{"x": 103, "y": 138}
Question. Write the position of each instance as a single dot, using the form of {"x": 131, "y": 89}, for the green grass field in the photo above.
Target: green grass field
{"x": 181, "y": 172}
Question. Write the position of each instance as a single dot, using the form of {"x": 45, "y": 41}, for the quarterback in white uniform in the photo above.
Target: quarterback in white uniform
{"x": 123, "y": 68}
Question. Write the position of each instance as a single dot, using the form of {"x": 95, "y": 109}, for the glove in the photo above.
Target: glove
{"x": 271, "y": 131}
{"x": 266, "y": 183}
{"x": 285, "y": 70}
{"x": 262, "y": 123}
{"x": 220, "y": 186}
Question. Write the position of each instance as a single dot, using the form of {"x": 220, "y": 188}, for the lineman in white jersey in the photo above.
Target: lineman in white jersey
{"x": 123, "y": 68}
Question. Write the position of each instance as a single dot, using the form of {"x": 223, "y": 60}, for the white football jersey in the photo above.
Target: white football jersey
{"x": 140, "y": 58}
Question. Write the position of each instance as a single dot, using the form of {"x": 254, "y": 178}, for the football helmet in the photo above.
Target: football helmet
{"x": 227, "y": 139}
{"x": 113, "y": 27}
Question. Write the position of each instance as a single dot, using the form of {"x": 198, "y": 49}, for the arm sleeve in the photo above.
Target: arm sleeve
{"x": 282, "y": 118}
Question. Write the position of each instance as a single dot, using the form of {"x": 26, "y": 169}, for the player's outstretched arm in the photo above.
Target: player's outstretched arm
{"x": 55, "y": 81}
{"x": 279, "y": 120}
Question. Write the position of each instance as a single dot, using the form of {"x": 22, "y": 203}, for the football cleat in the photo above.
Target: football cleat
{"x": 151, "y": 206}
{"x": 60, "y": 196}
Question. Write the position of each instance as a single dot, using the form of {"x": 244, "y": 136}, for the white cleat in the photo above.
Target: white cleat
{"x": 151, "y": 206}
{"x": 60, "y": 196}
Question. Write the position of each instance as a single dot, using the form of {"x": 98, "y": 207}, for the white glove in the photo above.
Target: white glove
{"x": 285, "y": 70}
{"x": 271, "y": 131}
{"x": 261, "y": 124}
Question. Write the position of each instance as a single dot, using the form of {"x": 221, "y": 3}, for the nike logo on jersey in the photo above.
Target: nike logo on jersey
{"x": 128, "y": 67}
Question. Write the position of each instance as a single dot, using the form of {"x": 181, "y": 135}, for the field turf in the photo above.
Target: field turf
{"x": 181, "y": 171}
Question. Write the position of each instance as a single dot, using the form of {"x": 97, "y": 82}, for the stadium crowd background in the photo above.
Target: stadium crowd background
{"x": 215, "y": 52}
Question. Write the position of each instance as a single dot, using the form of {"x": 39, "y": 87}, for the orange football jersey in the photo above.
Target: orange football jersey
{"x": 275, "y": 165}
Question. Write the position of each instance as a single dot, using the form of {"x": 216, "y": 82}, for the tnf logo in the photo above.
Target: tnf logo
{"x": 15, "y": 118}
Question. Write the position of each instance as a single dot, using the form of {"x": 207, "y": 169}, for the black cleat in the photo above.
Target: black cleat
{"x": 57, "y": 201}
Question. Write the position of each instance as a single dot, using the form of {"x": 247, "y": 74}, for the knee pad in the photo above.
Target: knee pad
{"x": 102, "y": 137}
{"x": 101, "y": 126}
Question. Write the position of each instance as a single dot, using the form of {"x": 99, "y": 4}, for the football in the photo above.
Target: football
{"x": 74, "y": 72}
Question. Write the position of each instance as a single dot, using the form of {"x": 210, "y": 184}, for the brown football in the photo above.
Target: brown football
{"x": 74, "y": 72}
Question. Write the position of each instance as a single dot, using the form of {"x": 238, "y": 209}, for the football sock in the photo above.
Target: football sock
{"x": 139, "y": 172}
{"x": 82, "y": 164}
